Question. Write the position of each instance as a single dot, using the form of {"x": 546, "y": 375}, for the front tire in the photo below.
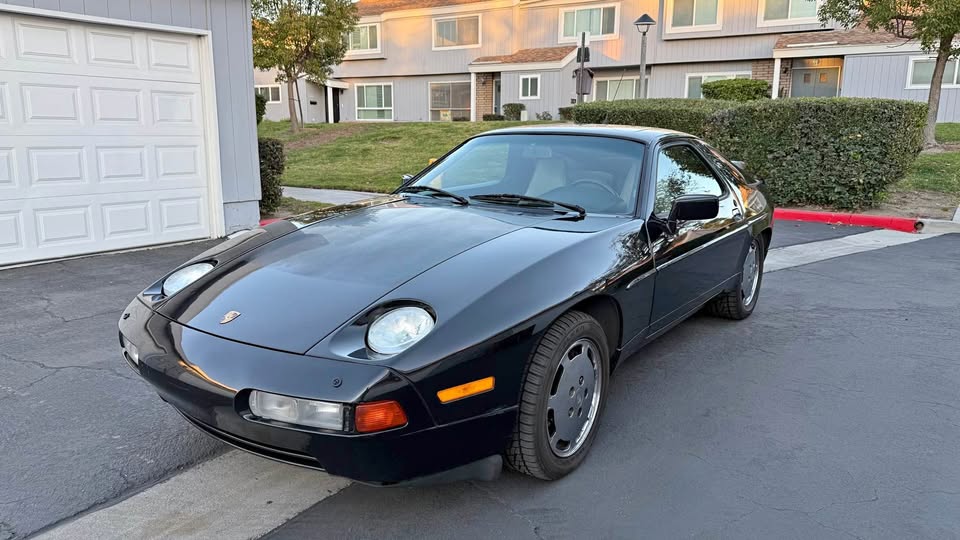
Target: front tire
{"x": 563, "y": 395}
{"x": 739, "y": 303}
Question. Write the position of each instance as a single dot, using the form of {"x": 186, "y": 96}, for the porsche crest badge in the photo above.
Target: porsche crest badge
{"x": 229, "y": 317}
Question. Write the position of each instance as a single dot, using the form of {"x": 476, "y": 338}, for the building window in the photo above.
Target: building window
{"x": 271, "y": 92}
{"x": 695, "y": 81}
{"x": 375, "y": 101}
{"x": 921, "y": 73}
{"x": 782, "y": 12}
{"x": 364, "y": 39}
{"x": 530, "y": 87}
{"x": 456, "y": 32}
{"x": 600, "y": 22}
{"x": 449, "y": 101}
{"x": 694, "y": 15}
{"x": 616, "y": 89}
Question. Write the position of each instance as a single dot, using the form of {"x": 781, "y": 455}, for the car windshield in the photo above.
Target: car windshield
{"x": 600, "y": 174}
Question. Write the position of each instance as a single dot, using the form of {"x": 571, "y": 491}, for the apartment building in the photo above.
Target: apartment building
{"x": 443, "y": 60}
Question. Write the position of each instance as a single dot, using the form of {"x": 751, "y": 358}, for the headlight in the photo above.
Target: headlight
{"x": 185, "y": 276}
{"x": 304, "y": 412}
{"x": 398, "y": 329}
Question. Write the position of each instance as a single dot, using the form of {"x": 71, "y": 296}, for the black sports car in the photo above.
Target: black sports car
{"x": 476, "y": 314}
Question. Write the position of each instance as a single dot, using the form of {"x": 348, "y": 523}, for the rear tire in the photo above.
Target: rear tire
{"x": 738, "y": 304}
{"x": 563, "y": 395}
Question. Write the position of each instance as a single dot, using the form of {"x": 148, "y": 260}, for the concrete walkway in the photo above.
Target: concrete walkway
{"x": 329, "y": 196}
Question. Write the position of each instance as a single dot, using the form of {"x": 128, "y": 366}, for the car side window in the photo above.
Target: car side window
{"x": 727, "y": 169}
{"x": 681, "y": 171}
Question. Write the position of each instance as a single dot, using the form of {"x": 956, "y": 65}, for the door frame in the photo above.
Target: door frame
{"x": 208, "y": 95}
{"x": 839, "y": 74}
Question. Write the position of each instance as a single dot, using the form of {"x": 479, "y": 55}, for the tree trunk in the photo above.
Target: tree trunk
{"x": 936, "y": 87}
{"x": 292, "y": 104}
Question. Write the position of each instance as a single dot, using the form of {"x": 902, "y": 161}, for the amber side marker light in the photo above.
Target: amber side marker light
{"x": 466, "y": 390}
{"x": 378, "y": 416}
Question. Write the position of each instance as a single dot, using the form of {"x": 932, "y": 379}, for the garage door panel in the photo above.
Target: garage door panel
{"x": 33, "y": 43}
{"x": 102, "y": 139}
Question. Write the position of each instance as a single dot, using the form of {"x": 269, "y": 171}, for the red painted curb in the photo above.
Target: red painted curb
{"x": 267, "y": 221}
{"x": 884, "y": 222}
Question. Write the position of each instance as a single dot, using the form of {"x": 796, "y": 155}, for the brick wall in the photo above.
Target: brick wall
{"x": 763, "y": 70}
{"x": 484, "y": 91}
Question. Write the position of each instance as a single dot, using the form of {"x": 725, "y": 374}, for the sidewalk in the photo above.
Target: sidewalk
{"x": 329, "y": 196}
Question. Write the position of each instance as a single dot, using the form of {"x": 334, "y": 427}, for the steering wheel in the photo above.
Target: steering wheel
{"x": 598, "y": 184}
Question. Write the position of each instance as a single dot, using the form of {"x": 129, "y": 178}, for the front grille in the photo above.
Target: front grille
{"x": 284, "y": 456}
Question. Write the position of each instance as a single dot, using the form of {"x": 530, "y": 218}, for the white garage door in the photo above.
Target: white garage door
{"x": 102, "y": 141}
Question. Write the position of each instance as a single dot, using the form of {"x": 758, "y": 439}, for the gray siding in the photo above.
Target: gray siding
{"x": 309, "y": 92}
{"x": 885, "y": 76}
{"x": 411, "y": 96}
{"x": 556, "y": 89}
{"x": 229, "y": 24}
{"x": 670, "y": 80}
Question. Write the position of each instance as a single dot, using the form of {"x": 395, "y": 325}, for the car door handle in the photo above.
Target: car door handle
{"x": 737, "y": 215}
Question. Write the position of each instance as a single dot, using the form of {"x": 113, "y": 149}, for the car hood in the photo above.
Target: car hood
{"x": 294, "y": 290}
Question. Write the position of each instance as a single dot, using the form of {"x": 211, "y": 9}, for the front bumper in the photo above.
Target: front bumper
{"x": 208, "y": 379}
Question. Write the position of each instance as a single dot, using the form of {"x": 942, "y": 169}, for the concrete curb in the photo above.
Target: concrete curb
{"x": 884, "y": 222}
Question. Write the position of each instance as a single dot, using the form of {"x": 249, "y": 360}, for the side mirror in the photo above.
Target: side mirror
{"x": 405, "y": 178}
{"x": 694, "y": 207}
{"x": 742, "y": 165}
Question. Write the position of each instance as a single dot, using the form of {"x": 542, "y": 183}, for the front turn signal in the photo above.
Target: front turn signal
{"x": 379, "y": 415}
{"x": 465, "y": 390}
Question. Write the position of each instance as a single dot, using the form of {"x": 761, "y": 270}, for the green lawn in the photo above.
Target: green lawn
{"x": 948, "y": 133}
{"x": 367, "y": 156}
{"x": 934, "y": 172}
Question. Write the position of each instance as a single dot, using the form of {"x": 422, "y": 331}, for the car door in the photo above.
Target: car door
{"x": 694, "y": 260}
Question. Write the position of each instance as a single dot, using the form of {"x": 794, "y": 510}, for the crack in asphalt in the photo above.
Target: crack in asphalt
{"x": 18, "y": 392}
{"x": 494, "y": 497}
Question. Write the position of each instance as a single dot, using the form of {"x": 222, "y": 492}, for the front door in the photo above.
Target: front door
{"x": 496, "y": 96}
{"x": 816, "y": 82}
{"x": 693, "y": 258}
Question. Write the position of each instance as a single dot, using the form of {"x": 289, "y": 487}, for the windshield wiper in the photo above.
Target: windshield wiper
{"x": 435, "y": 191}
{"x": 526, "y": 200}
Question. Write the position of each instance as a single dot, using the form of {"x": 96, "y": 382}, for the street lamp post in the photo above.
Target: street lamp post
{"x": 643, "y": 25}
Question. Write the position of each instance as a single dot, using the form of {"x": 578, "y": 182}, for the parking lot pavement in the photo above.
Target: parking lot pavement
{"x": 792, "y": 233}
{"x": 832, "y": 412}
{"x": 77, "y": 427}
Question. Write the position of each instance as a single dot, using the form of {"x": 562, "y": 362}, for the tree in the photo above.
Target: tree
{"x": 300, "y": 38}
{"x": 933, "y": 23}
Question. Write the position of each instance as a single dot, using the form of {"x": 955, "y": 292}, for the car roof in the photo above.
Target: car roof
{"x": 648, "y": 135}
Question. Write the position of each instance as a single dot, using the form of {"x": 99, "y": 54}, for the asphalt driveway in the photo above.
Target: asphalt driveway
{"x": 77, "y": 426}
{"x": 832, "y": 412}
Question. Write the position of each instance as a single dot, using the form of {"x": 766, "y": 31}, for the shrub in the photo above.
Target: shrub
{"x": 545, "y": 115}
{"x": 565, "y": 113}
{"x": 273, "y": 161}
{"x": 687, "y": 115}
{"x": 493, "y": 118}
{"x": 737, "y": 89}
{"x": 511, "y": 111}
{"x": 461, "y": 118}
{"x": 261, "y": 102}
{"x": 839, "y": 152}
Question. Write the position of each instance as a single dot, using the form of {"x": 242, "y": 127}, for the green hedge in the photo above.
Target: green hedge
{"x": 686, "y": 115}
{"x": 566, "y": 113}
{"x": 493, "y": 118}
{"x": 273, "y": 161}
{"x": 261, "y": 104}
{"x": 737, "y": 89}
{"x": 839, "y": 152}
{"x": 512, "y": 110}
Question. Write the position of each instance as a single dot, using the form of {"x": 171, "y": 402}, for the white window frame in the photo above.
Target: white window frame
{"x": 913, "y": 62}
{"x": 430, "y": 107}
{"x": 353, "y": 52}
{"x": 590, "y": 37}
{"x": 433, "y": 36}
{"x": 670, "y": 29}
{"x": 763, "y": 23}
{"x": 271, "y": 86}
{"x": 728, "y": 74}
{"x": 634, "y": 78}
{"x": 520, "y": 91}
{"x": 356, "y": 103}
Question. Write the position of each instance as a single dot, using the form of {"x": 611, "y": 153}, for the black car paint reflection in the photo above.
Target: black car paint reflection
{"x": 495, "y": 276}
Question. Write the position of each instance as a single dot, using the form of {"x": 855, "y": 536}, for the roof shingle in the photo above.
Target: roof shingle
{"x": 527, "y": 56}
{"x": 854, "y": 36}
{"x": 376, "y": 7}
